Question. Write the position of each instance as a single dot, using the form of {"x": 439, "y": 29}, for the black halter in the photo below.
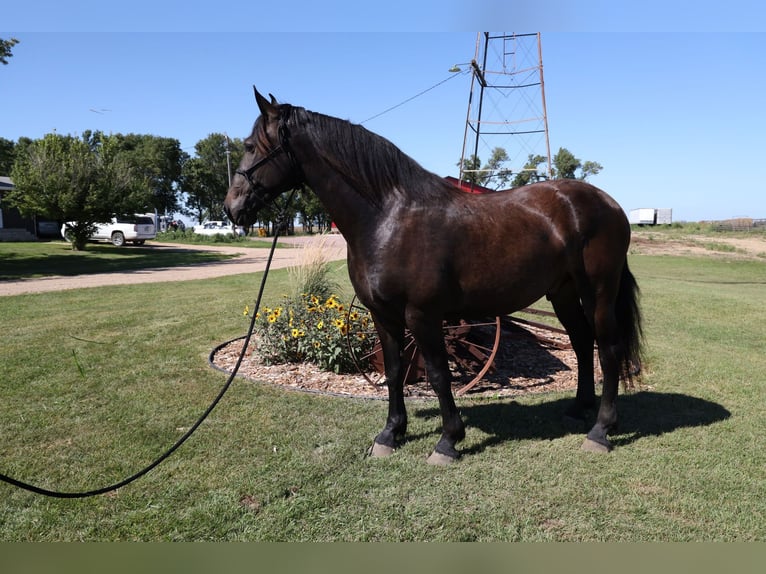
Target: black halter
{"x": 283, "y": 146}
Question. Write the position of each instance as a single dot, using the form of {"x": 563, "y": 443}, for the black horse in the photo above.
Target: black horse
{"x": 421, "y": 250}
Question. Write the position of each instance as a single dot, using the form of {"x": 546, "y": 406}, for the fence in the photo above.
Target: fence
{"x": 739, "y": 224}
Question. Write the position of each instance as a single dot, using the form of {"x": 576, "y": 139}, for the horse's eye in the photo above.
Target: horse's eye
{"x": 249, "y": 148}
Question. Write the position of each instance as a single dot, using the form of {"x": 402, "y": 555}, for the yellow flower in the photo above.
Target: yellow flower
{"x": 246, "y": 312}
{"x": 353, "y": 316}
{"x": 314, "y": 300}
{"x": 320, "y": 325}
{"x": 278, "y": 311}
{"x": 295, "y": 333}
{"x": 271, "y": 318}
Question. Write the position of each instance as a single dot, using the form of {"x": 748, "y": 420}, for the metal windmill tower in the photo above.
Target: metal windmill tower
{"x": 506, "y": 105}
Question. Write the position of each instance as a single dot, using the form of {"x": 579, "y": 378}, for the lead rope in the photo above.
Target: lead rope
{"x": 200, "y": 420}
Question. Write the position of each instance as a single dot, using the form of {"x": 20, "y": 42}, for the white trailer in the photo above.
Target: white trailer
{"x": 650, "y": 216}
{"x": 664, "y": 216}
{"x": 642, "y": 216}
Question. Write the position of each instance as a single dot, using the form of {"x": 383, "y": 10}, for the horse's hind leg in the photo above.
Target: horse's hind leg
{"x": 607, "y": 337}
{"x": 566, "y": 304}
{"x": 396, "y": 423}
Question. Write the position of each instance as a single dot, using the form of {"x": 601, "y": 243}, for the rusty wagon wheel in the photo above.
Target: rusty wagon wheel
{"x": 471, "y": 349}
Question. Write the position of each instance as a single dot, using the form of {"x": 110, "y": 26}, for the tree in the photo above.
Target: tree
{"x": 71, "y": 179}
{"x": 530, "y": 173}
{"x": 590, "y": 168}
{"x": 311, "y": 212}
{"x": 566, "y": 166}
{"x": 205, "y": 177}
{"x": 492, "y": 170}
{"x": 7, "y": 153}
{"x": 6, "y": 49}
{"x": 471, "y": 167}
{"x": 160, "y": 162}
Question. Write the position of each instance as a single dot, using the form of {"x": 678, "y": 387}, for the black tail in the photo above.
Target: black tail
{"x": 630, "y": 326}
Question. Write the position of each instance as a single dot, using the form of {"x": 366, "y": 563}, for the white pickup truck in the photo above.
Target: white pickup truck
{"x": 134, "y": 229}
{"x": 218, "y": 228}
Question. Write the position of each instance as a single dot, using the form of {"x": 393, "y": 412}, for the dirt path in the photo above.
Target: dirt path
{"x": 248, "y": 260}
{"x": 648, "y": 242}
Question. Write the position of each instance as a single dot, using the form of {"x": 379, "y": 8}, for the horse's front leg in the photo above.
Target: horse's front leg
{"x": 570, "y": 312}
{"x": 430, "y": 339}
{"x": 396, "y": 423}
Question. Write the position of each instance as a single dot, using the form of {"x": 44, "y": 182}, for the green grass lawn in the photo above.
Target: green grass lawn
{"x": 34, "y": 260}
{"x": 41, "y": 259}
{"x": 97, "y": 382}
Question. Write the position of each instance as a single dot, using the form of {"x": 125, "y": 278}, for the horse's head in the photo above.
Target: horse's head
{"x": 268, "y": 167}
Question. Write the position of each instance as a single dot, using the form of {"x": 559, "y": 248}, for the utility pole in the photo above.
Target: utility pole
{"x": 228, "y": 158}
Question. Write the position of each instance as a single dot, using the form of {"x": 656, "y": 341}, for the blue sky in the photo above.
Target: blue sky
{"x": 672, "y": 107}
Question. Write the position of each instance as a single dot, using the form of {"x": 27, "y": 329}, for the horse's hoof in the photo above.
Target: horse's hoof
{"x": 439, "y": 459}
{"x": 593, "y": 446}
{"x": 378, "y": 450}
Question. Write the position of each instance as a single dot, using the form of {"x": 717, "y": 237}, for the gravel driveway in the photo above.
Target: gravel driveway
{"x": 248, "y": 260}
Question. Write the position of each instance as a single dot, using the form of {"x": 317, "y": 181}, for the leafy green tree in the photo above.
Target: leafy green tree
{"x": 566, "y": 166}
{"x": 312, "y": 214}
{"x": 492, "y": 174}
{"x": 160, "y": 162}
{"x": 71, "y": 179}
{"x": 6, "y": 49}
{"x": 206, "y": 176}
{"x": 589, "y": 168}
{"x": 7, "y": 154}
{"x": 496, "y": 176}
{"x": 531, "y": 171}
{"x": 470, "y": 168}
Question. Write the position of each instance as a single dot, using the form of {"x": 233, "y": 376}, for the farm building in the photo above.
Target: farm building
{"x": 16, "y": 227}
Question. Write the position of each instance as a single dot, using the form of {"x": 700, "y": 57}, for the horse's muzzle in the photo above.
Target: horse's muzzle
{"x": 235, "y": 209}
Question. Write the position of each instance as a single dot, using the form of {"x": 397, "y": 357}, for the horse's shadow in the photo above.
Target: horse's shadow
{"x": 644, "y": 413}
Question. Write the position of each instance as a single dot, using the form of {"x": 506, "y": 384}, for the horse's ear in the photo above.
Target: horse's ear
{"x": 268, "y": 109}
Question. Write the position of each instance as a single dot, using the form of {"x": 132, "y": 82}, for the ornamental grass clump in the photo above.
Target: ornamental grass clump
{"x": 310, "y": 329}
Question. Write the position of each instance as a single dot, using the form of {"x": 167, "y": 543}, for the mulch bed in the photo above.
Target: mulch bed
{"x": 524, "y": 364}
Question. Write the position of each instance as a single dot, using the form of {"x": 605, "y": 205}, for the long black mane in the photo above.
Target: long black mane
{"x": 373, "y": 166}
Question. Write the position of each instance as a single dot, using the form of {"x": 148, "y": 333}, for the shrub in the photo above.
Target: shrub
{"x": 188, "y": 236}
{"x": 312, "y": 324}
{"x": 312, "y": 329}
